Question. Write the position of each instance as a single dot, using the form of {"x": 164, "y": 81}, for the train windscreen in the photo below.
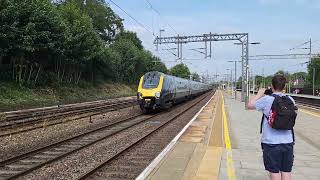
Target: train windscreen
{"x": 151, "y": 80}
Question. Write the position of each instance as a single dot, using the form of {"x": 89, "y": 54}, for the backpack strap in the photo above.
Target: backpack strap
{"x": 293, "y": 138}
{"x": 263, "y": 115}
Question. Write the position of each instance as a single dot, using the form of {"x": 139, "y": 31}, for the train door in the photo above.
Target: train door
{"x": 174, "y": 87}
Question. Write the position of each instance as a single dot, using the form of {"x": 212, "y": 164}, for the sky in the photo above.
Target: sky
{"x": 278, "y": 25}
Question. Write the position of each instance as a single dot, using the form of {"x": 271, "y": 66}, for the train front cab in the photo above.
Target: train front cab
{"x": 149, "y": 91}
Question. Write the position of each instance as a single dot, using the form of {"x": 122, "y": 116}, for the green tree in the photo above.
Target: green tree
{"x": 268, "y": 81}
{"x": 130, "y": 65}
{"x": 154, "y": 63}
{"x": 298, "y": 79}
{"x": 280, "y": 72}
{"x": 65, "y": 41}
{"x": 314, "y": 67}
{"x": 264, "y": 81}
{"x": 259, "y": 81}
{"x": 180, "y": 70}
{"x": 300, "y": 75}
{"x": 83, "y": 45}
{"x": 195, "y": 77}
{"x": 104, "y": 20}
{"x": 30, "y": 34}
{"x": 239, "y": 83}
{"x": 130, "y": 36}
{"x": 134, "y": 61}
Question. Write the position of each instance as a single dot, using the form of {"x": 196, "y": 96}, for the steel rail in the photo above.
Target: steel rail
{"x": 68, "y": 146}
{"x": 57, "y": 118}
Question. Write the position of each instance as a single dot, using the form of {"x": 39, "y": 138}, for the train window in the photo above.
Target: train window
{"x": 151, "y": 81}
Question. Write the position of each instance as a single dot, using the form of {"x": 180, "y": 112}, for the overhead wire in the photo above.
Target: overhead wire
{"x": 147, "y": 28}
{"x": 299, "y": 46}
{"x": 155, "y": 10}
{"x": 138, "y": 22}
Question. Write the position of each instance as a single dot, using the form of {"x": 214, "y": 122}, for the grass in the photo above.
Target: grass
{"x": 13, "y": 97}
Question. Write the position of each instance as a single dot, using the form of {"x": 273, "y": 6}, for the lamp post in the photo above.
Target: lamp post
{"x": 231, "y": 82}
{"x": 227, "y": 80}
{"x": 235, "y": 77}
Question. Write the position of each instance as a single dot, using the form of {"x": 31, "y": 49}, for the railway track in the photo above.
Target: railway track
{"x": 308, "y": 105}
{"x": 23, "y": 164}
{"x": 26, "y": 120}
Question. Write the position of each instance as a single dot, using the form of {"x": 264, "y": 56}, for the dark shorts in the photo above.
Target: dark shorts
{"x": 278, "y": 157}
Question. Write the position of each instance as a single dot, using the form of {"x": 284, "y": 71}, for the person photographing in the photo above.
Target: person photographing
{"x": 277, "y": 122}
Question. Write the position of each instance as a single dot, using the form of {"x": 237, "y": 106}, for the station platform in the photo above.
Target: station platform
{"x": 223, "y": 142}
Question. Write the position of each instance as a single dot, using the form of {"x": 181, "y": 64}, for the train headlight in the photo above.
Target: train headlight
{"x": 157, "y": 94}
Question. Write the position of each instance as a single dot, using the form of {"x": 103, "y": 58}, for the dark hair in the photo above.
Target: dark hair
{"x": 279, "y": 82}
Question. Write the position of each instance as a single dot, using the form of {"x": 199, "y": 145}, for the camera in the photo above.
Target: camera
{"x": 268, "y": 91}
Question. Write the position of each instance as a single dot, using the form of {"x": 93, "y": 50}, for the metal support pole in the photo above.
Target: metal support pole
{"x": 289, "y": 85}
{"x": 247, "y": 70}
{"x": 249, "y": 86}
{"x": 210, "y": 45}
{"x": 157, "y": 45}
{"x": 314, "y": 69}
{"x": 243, "y": 93}
{"x": 313, "y": 81}
{"x": 264, "y": 81}
{"x": 178, "y": 46}
{"x": 254, "y": 82}
{"x": 181, "y": 51}
{"x": 231, "y": 82}
{"x": 206, "y": 49}
{"x": 235, "y": 79}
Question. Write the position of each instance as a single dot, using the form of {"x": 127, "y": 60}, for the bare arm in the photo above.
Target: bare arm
{"x": 252, "y": 101}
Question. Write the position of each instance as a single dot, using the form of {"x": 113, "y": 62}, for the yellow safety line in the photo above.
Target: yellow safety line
{"x": 225, "y": 126}
{"x": 230, "y": 164}
{"x": 310, "y": 113}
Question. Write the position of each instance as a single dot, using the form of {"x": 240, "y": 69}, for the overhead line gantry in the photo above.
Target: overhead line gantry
{"x": 243, "y": 38}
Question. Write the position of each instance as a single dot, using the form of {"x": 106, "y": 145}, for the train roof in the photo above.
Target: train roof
{"x": 161, "y": 73}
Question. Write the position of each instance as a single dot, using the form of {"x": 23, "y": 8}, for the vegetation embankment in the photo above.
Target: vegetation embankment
{"x": 13, "y": 97}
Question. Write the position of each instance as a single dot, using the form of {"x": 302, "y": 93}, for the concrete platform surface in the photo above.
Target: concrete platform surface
{"x": 197, "y": 153}
{"x": 246, "y": 152}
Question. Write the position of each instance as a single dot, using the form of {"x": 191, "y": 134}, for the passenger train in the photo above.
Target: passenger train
{"x": 157, "y": 90}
